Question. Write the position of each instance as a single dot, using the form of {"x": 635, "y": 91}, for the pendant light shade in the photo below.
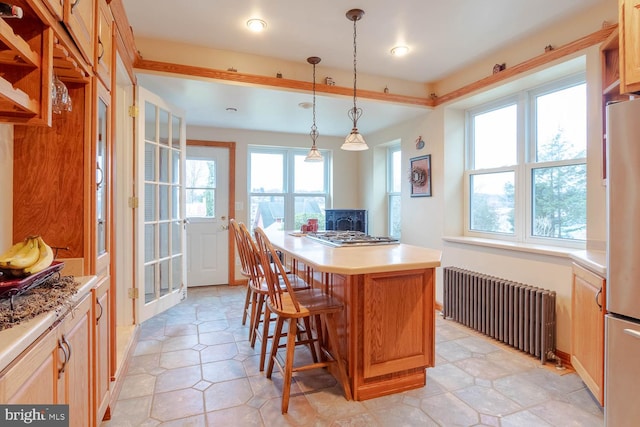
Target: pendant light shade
{"x": 314, "y": 154}
{"x": 354, "y": 141}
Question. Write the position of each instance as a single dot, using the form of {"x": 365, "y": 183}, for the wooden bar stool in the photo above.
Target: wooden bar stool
{"x": 250, "y": 298}
{"x": 261, "y": 313}
{"x": 290, "y": 307}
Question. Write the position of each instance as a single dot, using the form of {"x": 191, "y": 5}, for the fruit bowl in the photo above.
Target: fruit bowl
{"x": 10, "y": 285}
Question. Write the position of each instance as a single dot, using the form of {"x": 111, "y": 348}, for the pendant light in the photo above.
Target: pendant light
{"x": 314, "y": 154}
{"x": 354, "y": 141}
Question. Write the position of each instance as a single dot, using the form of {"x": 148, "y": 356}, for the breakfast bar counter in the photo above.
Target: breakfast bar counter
{"x": 387, "y": 328}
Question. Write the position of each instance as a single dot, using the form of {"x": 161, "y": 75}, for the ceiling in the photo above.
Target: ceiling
{"x": 443, "y": 37}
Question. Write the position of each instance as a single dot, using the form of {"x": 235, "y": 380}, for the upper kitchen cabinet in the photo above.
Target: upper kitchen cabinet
{"x": 79, "y": 16}
{"x": 629, "y": 22}
{"x": 104, "y": 48}
{"x": 56, "y": 7}
{"x": 26, "y": 47}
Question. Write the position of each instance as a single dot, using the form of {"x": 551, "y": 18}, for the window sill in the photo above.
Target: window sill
{"x": 555, "y": 251}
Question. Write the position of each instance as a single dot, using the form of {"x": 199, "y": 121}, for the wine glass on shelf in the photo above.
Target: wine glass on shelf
{"x": 60, "y": 96}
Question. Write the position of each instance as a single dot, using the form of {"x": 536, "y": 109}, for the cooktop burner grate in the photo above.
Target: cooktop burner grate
{"x": 350, "y": 238}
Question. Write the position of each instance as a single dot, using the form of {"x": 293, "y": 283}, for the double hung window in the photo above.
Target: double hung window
{"x": 394, "y": 179}
{"x": 284, "y": 190}
{"x": 526, "y": 166}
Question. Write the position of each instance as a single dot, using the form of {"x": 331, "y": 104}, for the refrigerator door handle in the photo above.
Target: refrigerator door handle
{"x": 633, "y": 333}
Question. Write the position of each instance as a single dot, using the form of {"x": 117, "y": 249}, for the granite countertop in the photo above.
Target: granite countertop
{"x": 595, "y": 261}
{"x": 18, "y": 338}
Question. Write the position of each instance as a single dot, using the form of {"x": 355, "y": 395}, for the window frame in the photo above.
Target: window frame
{"x": 391, "y": 150}
{"x": 525, "y": 166}
{"x": 289, "y": 196}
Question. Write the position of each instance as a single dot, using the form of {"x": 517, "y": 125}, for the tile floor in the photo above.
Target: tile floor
{"x": 193, "y": 366}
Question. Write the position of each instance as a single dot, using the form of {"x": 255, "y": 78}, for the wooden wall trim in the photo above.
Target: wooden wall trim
{"x": 253, "y": 79}
{"x": 231, "y": 76}
{"x": 528, "y": 65}
{"x": 231, "y": 146}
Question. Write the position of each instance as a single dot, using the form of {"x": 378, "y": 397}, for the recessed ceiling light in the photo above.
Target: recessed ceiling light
{"x": 399, "y": 51}
{"x": 256, "y": 25}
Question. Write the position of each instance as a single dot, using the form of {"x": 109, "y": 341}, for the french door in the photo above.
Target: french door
{"x": 160, "y": 216}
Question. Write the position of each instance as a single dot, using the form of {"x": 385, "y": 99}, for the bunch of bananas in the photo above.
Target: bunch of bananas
{"x": 30, "y": 256}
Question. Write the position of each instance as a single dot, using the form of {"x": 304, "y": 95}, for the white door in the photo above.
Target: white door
{"x": 207, "y": 202}
{"x": 160, "y": 221}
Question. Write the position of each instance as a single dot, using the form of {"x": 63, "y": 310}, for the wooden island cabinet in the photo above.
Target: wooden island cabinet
{"x": 387, "y": 327}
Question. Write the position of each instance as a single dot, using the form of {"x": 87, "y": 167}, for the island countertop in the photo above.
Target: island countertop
{"x": 354, "y": 260}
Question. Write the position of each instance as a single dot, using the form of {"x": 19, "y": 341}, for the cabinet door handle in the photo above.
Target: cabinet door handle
{"x": 101, "y": 311}
{"x": 74, "y": 4}
{"x": 100, "y": 178}
{"x": 68, "y": 345}
{"x": 633, "y": 333}
{"x": 101, "y": 46}
{"x": 598, "y": 298}
{"x": 61, "y": 345}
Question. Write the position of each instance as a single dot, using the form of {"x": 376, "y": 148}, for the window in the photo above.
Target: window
{"x": 526, "y": 166}
{"x": 200, "y": 189}
{"x": 394, "y": 179}
{"x": 284, "y": 190}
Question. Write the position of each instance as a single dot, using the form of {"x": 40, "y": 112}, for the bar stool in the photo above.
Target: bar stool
{"x": 290, "y": 307}
{"x": 249, "y": 302}
{"x": 261, "y": 313}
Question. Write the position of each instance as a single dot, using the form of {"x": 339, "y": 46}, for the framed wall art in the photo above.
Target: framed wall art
{"x": 420, "y": 176}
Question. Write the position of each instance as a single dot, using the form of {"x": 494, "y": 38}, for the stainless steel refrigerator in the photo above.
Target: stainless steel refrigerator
{"x": 622, "y": 322}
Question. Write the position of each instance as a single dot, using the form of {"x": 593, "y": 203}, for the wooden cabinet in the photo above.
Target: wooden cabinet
{"x": 104, "y": 47}
{"x": 79, "y": 19}
{"x": 57, "y": 368}
{"x": 102, "y": 353}
{"x": 47, "y": 159}
{"x": 587, "y": 328}
{"x": 75, "y": 380}
{"x": 629, "y": 26}
{"x": 33, "y": 378}
{"x": 25, "y": 64}
{"x": 56, "y": 7}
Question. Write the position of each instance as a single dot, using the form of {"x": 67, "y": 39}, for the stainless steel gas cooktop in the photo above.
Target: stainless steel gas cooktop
{"x": 350, "y": 238}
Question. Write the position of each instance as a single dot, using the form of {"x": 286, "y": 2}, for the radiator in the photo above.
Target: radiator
{"x": 519, "y": 315}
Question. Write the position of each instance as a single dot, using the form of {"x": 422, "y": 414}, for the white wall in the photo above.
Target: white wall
{"x": 6, "y": 186}
{"x": 426, "y": 220}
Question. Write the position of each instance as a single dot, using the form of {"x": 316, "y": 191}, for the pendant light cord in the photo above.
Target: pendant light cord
{"x": 314, "y": 129}
{"x": 356, "y": 112}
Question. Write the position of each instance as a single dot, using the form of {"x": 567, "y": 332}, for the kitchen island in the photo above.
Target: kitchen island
{"x": 387, "y": 329}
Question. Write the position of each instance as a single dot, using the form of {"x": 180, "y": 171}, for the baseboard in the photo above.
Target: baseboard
{"x": 116, "y": 385}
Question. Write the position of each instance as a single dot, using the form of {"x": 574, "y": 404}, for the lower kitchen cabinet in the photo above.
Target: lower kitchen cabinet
{"x": 587, "y": 329}
{"x": 102, "y": 374}
{"x": 75, "y": 382}
{"x": 57, "y": 368}
{"x": 33, "y": 378}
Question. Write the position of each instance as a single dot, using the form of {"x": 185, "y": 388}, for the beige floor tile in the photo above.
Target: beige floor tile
{"x": 194, "y": 366}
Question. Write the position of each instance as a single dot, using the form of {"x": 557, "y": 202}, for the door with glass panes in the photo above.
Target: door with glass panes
{"x": 160, "y": 217}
